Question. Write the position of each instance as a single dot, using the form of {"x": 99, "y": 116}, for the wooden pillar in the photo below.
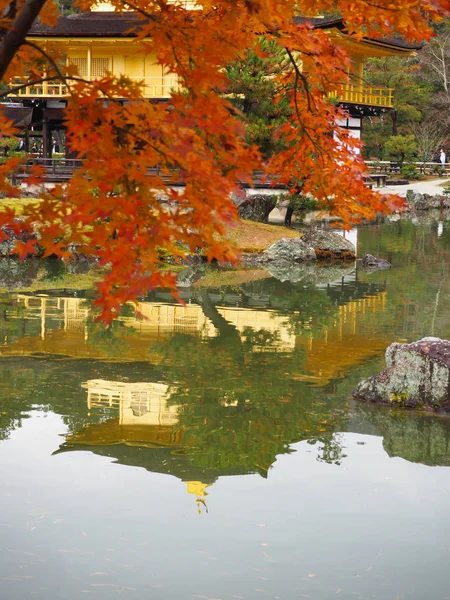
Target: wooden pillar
{"x": 46, "y": 138}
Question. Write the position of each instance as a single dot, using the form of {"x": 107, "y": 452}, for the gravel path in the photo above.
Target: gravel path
{"x": 433, "y": 188}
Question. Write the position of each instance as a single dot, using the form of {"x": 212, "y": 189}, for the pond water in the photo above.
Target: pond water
{"x": 213, "y": 450}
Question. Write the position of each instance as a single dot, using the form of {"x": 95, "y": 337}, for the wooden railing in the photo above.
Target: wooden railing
{"x": 151, "y": 87}
{"x": 392, "y": 167}
{"x": 62, "y": 169}
{"x": 353, "y": 94}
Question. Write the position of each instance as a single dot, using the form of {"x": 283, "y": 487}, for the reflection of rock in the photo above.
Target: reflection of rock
{"x": 257, "y": 207}
{"x": 15, "y": 274}
{"x": 428, "y": 217}
{"x": 416, "y": 375}
{"x": 328, "y": 244}
{"x": 288, "y": 251}
{"x": 417, "y": 438}
{"x": 187, "y": 277}
{"x": 310, "y": 274}
{"x": 372, "y": 263}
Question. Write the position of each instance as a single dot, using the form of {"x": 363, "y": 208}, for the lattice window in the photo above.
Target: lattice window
{"x": 100, "y": 66}
{"x": 81, "y": 64}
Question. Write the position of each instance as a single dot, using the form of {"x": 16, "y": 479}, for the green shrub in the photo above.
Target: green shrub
{"x": 410, "y": 172}
{"x": 438, "y": 170}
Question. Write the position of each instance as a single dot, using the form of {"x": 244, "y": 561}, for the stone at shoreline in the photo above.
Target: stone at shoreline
{"x": 329, "y": 244}
{"x": 256, "y": 207}
{"x": 288, "y": 251}
{"x": 417, "y": 201}
{"x": 373, "y": 263}
{"x": 417, "y": 375}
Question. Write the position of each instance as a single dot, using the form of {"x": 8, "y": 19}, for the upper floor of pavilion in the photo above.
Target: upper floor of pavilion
{"x": 104, "y": 42}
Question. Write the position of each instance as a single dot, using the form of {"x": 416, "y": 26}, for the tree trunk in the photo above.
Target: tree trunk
{"x": 288, "y": 216}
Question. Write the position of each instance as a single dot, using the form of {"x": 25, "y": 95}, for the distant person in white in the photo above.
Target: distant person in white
{"x": 442, "y": 157}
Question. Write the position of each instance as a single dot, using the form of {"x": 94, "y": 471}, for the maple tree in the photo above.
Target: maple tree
{"x": 112, "y": 209}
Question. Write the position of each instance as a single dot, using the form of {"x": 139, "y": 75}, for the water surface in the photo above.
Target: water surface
{"x": 213, "y": 450}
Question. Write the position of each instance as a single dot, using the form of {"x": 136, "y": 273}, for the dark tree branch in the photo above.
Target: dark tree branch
{"x": 15, "y": 36}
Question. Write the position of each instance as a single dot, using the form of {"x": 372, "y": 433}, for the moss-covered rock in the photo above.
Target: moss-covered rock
{"x": 417, "y": 375}
{"x": 329, "y": 244}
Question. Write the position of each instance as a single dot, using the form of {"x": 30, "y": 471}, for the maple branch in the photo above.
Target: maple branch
{"x": 13, "y": 90}
{"x": 14, "y": 38}
{"x": 301, "y": 76}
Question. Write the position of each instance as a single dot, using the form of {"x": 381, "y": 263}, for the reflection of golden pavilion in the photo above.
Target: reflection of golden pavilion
{"x": 145, "y": 419}
{"x": 63, "y": 330}
{"x": 258, "y": 320}
{"x": 138, "y": 403}
{"x": 162, "y": 319}
{"x": 346, "y": 342}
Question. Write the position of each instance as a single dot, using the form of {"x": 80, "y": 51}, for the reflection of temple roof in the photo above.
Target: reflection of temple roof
{"x": 169, "y": 461}
{"x": 111, "y": 432}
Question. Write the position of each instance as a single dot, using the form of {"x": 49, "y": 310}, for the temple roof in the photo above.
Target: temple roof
{"x": 90, "y": 24}
{"x": 114, "y": 25}
{"x": 339, "y": 24}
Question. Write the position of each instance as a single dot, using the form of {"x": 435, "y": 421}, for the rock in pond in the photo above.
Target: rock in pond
{"x": 329, "y": 244}
{"x": 292, "y": 250}
{"x": 372, "y": 263}
{"x": 417, "y": 375}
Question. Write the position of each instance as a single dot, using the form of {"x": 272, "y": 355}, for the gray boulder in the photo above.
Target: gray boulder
{"x": 329, "y": 244}
{"x": 417, "y": 375}
{"x": 288, "y": 251}
{"x": 256, "y": 207}
{"x": 372, "y": 263}
{"x": 417, "y": 201}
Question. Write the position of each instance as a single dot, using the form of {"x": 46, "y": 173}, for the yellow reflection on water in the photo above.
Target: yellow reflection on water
{"x": 347, "y": 339}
